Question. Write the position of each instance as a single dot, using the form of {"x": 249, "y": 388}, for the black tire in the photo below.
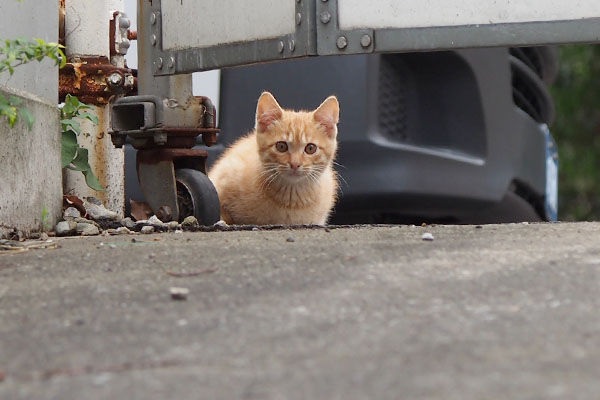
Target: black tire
{"x": 197, "y": 196}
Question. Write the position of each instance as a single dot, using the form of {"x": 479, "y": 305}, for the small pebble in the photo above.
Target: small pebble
{"x": 71, "y": 213}
{"x": 190, "y": 223}
{"x": 155, "y": 221}
{"x": 255, "y": 229}
{"x": 478, "y": 227}
{"x": 427, "y": 236}
{"x": 128, "y": 223}
{"x": 221, "y": 224}
{"x": 85, "y": 229}
{"x": 290, "y": 239}
{"x": 66, "y": 228}
{"x": 147, "y": 229}
{"x": 122, "y": 231}
{"x": 173, "y": 225}
{"x": 179, "y": 293}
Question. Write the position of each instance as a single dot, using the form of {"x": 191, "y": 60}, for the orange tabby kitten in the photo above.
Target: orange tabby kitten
{"x": 281, "y": 173}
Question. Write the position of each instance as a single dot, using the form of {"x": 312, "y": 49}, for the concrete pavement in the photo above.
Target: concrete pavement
{"x": 497, "y": 312}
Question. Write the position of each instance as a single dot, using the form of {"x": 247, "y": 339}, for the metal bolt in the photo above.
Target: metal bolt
{"x": 325, "y": 17}
{"x": 280, "y": 46}
{"x": 365, "y": 41}
{"x": 153, "y": 40}
{"x": 159, "y": 63}
{"x": 153, "y": 18}
{"x": 115, "y": 79}
{"x": 171, "y": 63}
{"x": 298, "y": 18}
{"x": 341, "y": 42}
{"x": 292, "y": 45}
{"x": 124, "y": 23}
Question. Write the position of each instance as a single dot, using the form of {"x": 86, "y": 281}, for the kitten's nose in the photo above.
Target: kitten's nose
{"x": 294, "y": 165}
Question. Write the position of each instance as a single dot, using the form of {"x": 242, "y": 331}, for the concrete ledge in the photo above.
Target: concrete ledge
{"x": 30, "y": 167}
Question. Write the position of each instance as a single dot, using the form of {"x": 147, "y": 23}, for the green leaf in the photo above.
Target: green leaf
{"x": 27, "y": 116}
{"x": 67, "y": 111}
{"x": 69, "y": 147}
{"x": 88, "y": 116}
{"x": 80, "y": 163}
{"x": 92, "y": 181}
{"x": 69, "y": 123}
{"x": 15, "y": 101}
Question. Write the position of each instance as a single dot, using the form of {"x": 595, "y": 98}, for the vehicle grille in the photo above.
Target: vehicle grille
{"x": 392, "y": 98}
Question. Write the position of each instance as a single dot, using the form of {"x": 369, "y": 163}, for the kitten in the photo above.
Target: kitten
{"x": 281, "y": 173}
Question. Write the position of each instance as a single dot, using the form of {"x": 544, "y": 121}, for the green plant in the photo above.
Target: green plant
{"x": 17, "y": 52}
{"x": 73, "y": 156}
{"x": 46, "y": 225}
{"x": 577, "y": 132}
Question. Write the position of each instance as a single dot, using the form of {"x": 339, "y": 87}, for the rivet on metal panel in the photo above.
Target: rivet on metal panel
{"x": 341, "y": 42}
{"x": 292, "y": 45}
{"x": 298, "y": 18}
{"x": 153, "y": 18}
{"x": 171, "y": 63}
{"x": 365, "y": 41}
{"x": 159, "y": 62}
{"x": 325, "y": 17}
{"x": 153, "y": 40}
{"x": 280, "y": 46}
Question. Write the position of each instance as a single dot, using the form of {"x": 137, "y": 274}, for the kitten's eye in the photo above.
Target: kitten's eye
{"x": 281, "y": 147}
{"x": 310, "y": 148}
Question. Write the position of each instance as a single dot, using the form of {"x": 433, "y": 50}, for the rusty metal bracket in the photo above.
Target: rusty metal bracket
{"x": 142, "y": 118}
{"x": 94, "y": 80}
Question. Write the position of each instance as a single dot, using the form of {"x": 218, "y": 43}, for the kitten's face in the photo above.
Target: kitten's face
{"x": 296, "y": 146}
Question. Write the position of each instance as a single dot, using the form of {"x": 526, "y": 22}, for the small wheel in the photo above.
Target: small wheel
{"x": 197, "y": 196}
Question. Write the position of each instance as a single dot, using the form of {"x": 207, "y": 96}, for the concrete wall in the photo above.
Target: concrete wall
{"x": 30, "y": 170}
{"x": 31, "y": 19}
{"x": 30, "y": 173}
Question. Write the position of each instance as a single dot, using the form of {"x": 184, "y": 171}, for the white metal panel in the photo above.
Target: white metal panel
{"x": 204, "y": 23}
{"x": 377, "y": 14}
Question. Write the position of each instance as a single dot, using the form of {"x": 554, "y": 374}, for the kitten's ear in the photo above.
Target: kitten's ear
{"x": 267, "y": 112}
{"x": 328, "y": 115}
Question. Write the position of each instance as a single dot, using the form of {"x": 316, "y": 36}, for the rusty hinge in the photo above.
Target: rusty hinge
{"x": 94, "y": 80}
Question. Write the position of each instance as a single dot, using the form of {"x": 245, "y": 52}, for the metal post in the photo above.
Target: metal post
{"x": 177, "y": 87}
{"x": 87, "y": 35}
